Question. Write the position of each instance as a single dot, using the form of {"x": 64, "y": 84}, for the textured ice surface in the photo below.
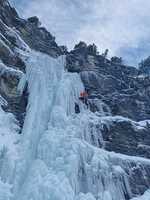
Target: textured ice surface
{"x": 5, "y": 191}
{"x": 58, "y": 156}
{"x": 58, "y": 159}
{"x": 9, "y": 139}
{"x": 145, "y": 196}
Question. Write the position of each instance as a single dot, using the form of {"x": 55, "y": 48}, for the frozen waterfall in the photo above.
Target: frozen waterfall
{"x": 59, "y": 158}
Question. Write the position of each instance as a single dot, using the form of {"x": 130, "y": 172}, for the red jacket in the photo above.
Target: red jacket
{"x": 83, "y": 94}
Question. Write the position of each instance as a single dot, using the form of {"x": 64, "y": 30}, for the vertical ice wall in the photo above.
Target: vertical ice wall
{"x": 52, "y": 98}
{"x": 58, "y": 160}
{"x": 9, "y": 139}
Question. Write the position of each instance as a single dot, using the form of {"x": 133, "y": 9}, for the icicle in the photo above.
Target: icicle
{"x": 61, "y": 158}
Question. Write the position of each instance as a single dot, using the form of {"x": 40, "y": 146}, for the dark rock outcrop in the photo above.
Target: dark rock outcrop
{"x": 144, "y": 66}
{"x": 7, "y": 14}
{"x": 29, "y": 30}
{"x": 121, "y": 135}
{"x": 124, "y": 136}
{"x": 9, "y": 40}
{"x": 121, "y": 87}
{"x": 39, "y": 38}
{"x": 16, "y": 102}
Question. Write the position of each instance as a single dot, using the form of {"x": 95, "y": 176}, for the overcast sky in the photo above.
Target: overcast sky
{"x": 123, "y": 26}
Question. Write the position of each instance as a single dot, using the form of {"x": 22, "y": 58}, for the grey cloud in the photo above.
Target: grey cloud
{"x": 112, "y": 24}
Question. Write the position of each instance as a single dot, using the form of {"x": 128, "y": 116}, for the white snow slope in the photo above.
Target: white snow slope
{"x": 57, "y": 159}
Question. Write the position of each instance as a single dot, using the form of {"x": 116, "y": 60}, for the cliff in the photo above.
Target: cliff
{"x": 102, "y": 152}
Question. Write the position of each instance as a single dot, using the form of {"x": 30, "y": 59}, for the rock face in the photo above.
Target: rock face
{"x": 144, "y": 66}
{"x": 16, "y": 103}
{"x": 123, "y": 135}
{"x": 35, "y": 36}
{"x": 121, "y": 94}
{"x": 38, "y": 38}
{"x": 120, "y": 91}
{"x": 121, "y": 87}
